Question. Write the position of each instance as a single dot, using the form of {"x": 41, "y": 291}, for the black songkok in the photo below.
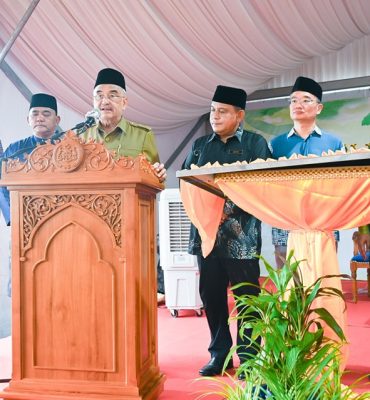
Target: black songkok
{"x": 230, "y": 95}
{"x": 303, "y": 84}
{"x": 44, "y": 100}
{"x": 109, "y": 76}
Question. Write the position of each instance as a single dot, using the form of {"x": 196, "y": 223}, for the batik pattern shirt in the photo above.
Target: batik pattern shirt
{"x": 239, "y": 236}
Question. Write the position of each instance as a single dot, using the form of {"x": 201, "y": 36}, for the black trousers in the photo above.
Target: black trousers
{"x": 215, "y": 276}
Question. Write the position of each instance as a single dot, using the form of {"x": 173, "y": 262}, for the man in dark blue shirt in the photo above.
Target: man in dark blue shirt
{"x": 43, "y": 119}
{"x": 304, "y": 138}
{"x": 233, "y": 259}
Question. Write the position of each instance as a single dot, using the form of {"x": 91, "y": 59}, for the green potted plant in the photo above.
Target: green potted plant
{"x": 295, "y": 360}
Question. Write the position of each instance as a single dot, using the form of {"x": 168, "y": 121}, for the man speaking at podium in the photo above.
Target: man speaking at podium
{"x": 126, "y": 138}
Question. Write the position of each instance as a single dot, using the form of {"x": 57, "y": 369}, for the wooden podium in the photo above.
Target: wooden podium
{"x": 84, "y": 312}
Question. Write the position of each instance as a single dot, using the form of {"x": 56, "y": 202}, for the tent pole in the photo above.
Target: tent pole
{"x": 17, "y": 82}
{"x": 18, "y": 30}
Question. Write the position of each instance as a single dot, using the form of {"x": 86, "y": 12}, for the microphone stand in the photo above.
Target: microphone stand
{"x": 81, "y": 128}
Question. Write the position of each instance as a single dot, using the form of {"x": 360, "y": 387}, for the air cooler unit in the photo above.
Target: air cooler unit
{"x": 180, "y": 270}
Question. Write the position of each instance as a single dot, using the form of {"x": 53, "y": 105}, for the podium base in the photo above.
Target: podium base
{"x": 147, "y": 393}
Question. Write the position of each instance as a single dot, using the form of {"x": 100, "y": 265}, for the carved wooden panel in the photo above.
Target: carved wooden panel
{"x": 36, "y": 208}
{"x": 72, "y": 154}
{"x": 72, "y": 335}
{"x": 70, "y": 297}
{"x": 145, "y": 279}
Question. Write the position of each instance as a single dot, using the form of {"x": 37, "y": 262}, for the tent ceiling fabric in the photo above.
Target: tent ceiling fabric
{"x": 173, "y": 53}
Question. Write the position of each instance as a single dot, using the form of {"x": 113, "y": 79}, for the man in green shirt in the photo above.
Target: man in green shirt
{"x": 117, "y": 134}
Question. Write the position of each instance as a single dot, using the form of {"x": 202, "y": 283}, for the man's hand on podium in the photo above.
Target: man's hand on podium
{"x": 160, "y": 171}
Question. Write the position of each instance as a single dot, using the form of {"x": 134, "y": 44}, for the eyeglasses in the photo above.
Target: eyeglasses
{"x": 110, "y": 96}
{"x": 304, "y": 102}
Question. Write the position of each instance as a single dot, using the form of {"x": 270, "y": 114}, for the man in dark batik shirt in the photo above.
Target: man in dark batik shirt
{"x": 233, "y": 259}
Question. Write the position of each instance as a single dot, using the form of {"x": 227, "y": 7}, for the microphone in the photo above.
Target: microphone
{"x": 90, "y": 119}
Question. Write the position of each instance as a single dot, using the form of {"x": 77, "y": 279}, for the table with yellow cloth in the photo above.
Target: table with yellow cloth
{"x": 310, "y": 202}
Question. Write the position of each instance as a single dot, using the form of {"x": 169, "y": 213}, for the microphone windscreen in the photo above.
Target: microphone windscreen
{"x": 95, "y": 113}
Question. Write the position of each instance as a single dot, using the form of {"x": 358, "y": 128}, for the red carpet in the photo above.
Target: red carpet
{"x": 183, "y": 343}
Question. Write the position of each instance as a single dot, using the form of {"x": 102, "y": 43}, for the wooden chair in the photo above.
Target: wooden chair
{"x": 358, "y": 262}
